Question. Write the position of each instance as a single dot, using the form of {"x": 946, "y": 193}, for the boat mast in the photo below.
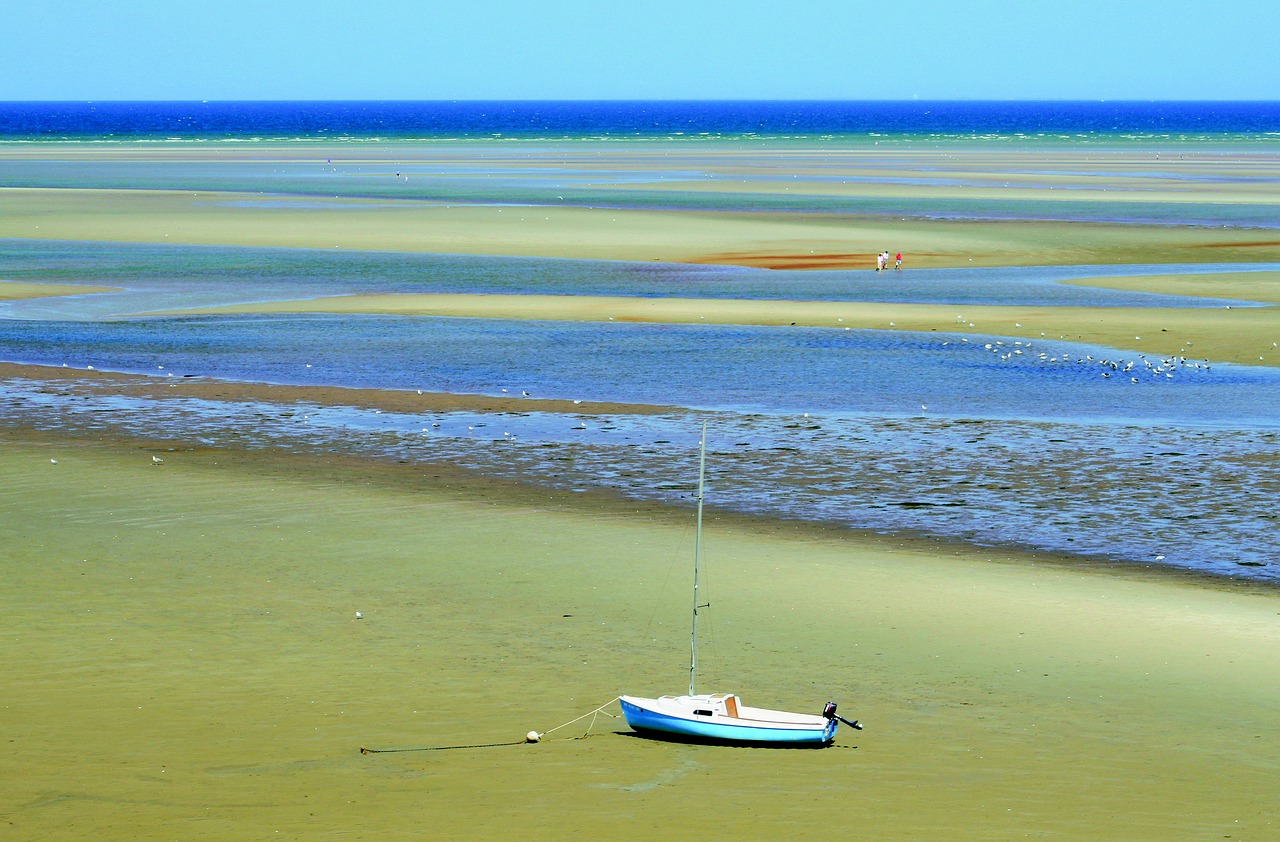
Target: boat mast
{"x": 697, "y": 558}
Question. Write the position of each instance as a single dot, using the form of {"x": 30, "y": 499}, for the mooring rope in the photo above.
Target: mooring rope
{"x": 533, "y": 736}
{"x": 593, "y": 714}
{"x": 364, "y": 750}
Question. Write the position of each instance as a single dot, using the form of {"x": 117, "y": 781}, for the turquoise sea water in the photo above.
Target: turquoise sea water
{"x": 275, "y": 184}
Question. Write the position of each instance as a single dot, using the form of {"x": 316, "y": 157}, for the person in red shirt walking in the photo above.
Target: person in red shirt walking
{"x": 898, "y": 264}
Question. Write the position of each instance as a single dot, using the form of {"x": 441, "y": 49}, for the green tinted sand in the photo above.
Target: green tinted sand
{"x": 1249, "y": 286}
{"x": 768, "y": 240}
{"x": 182, "y": 660}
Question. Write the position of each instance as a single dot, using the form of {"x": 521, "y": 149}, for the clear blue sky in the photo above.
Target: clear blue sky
{"x": 642, "y": 49}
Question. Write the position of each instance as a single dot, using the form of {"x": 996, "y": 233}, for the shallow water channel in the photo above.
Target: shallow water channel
{"x": 988, "y": 439}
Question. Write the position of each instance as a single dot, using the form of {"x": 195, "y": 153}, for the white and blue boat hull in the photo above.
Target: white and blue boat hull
{"x": 705, "y": 718}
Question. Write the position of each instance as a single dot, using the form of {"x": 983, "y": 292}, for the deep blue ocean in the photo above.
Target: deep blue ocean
{"x": 634, "y": 119}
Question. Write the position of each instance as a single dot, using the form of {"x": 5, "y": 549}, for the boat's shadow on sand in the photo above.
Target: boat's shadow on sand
{"x": 665, "y": 737}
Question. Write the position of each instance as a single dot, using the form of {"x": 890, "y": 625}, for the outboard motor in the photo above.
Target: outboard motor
{"x": 829, "y": 712}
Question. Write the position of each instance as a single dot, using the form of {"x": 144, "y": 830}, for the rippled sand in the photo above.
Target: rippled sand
{"x": 1159, "y": 495}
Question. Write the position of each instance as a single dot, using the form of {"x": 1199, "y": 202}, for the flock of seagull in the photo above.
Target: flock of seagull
{"x": 1165, "y": 367}
{"x": 1016, "y": 350}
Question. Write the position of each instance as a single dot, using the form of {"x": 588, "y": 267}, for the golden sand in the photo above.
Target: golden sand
{"x": 182, "y": 660}
{"x": 14, "y": 290}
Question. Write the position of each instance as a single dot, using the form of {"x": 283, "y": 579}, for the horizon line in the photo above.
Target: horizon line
{"x": 205, "y": 101}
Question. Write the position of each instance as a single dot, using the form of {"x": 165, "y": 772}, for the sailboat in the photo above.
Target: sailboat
{"x": 722, "y": 717}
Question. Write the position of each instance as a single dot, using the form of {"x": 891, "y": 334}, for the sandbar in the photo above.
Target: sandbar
{"x": 1249, "y": 286}
{"x": 388, "y": 400}
{"x": 15, "y": 290}
{"x": 762, "y": 239}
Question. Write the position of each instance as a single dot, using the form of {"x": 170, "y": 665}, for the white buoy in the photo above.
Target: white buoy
{"x": 532, "y": 737}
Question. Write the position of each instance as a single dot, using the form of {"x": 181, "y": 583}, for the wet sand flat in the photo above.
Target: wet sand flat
{"x": 665, "y": 202}
{"x": 768, "y": 240}
{"x": 1241, "y": 334}
{"x": 389, "y": 400}
{"x": 993, "y": 185}
{"x": 183, "y": 659}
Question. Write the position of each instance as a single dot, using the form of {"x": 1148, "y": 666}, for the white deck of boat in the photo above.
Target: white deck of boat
{"x": 727, "y": 706}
